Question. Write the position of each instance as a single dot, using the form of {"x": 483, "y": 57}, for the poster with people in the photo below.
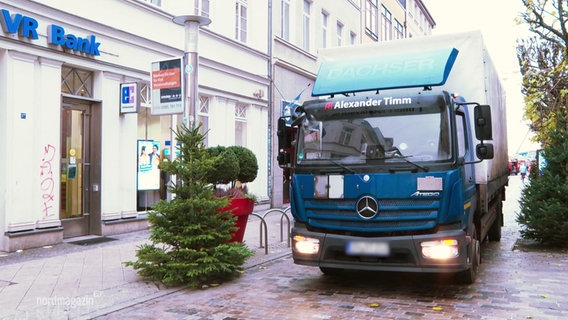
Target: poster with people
{"x": 149, "y": 158}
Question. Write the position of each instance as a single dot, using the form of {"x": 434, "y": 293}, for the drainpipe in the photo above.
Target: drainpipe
{"x": 270, "y": 106}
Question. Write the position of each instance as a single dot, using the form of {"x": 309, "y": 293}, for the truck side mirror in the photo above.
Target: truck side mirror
{"x": 284, "y": 133}
{"x": 284, "y": 139}
{"x": 484, "y": 151}
{"x": 482, "y": 119}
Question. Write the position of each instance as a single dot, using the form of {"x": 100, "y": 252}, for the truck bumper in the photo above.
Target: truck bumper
{"x": 399, "y": 254}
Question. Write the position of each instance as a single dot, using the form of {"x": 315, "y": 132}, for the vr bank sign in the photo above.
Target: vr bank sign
{"x": 27, "y": 27}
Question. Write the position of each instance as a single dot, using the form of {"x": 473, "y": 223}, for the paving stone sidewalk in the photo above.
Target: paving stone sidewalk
{"x": 68, "y": 280}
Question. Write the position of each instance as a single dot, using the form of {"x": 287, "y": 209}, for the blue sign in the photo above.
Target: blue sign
{"x": 56, "y": 35}
{"x": 129, "y": 97}
{"x": 27, "y": 27}
{"x": 404, "y": 70}
{"x": 17, "y": 23}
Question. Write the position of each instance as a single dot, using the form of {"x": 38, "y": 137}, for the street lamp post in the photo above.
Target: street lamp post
{"x": 191, "y": 64}
{"x": 191, "y": 24}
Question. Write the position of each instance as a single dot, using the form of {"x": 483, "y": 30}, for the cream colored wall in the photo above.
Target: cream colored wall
{"x": 32, "y": 146}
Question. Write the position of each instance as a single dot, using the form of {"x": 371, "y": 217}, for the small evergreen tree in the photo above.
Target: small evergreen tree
{"x": 189, "y": 234}
{"x": 544, "y": 202}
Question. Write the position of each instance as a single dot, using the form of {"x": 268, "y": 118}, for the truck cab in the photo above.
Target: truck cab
{"x": 379, "y": 179}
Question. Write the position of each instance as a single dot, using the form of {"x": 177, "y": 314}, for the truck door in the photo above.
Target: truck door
{"x": 465, "y": 152}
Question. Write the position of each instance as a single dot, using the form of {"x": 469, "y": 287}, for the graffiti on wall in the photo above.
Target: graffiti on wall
{"x": 47, "y": 181}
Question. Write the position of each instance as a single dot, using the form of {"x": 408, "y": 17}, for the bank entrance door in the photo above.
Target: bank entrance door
{"x": 80, "y": 169}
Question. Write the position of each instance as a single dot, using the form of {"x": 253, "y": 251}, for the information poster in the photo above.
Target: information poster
{"x": 149, "y": 158}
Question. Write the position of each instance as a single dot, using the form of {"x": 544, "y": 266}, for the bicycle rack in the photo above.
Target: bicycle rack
{"x": 264, "y": 227}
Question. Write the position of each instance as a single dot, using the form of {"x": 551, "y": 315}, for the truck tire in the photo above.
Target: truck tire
{"x": 474, "y": 256}
{"x": 494, "y": 233}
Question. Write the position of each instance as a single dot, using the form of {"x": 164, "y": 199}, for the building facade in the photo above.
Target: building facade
{"x": 78, "y": 112}
{"x": 385, "y": 20}
{"x": 77, "y": 164}
{"x": 302, "y": 27}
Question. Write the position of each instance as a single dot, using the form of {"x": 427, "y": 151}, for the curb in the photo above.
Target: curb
{"x": 165, "y": 292}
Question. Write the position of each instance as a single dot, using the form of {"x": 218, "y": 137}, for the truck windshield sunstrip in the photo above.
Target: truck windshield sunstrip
{"x": 357, "y": 138}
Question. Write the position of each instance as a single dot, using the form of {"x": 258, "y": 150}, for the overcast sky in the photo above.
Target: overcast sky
{"x": 496, "y": 20}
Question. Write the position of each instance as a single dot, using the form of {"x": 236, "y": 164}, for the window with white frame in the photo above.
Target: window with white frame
{"x": 339, "y": 34}
{"x": 285, "y": 22}
{"x": 202, "y": 8}
{"x": 203, "y": 117}
{"x": 371, "y": 18}
{"x": 352, "y": 37}
{"x": 398, "y": 30}
{"x": 241, "y": 20}
{"x": 386, "y": 19}
{"x": 324, "y": 21}
{"x": 306, "y": 24}
{"x": 410, "y": 9}
{"x": 240, "y": 124}
{"x": 77, "y": 82}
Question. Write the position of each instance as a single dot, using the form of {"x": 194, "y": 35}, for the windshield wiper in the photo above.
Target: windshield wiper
{"x": 339, "y": 164}
{"x": 425, "y": 169}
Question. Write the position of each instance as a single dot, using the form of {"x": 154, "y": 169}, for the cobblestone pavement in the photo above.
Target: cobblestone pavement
{"x": 513, "y": 283}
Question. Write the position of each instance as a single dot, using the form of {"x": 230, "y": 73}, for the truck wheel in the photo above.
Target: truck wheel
{"x": 494, "y": 233}
{"x": 474, "y": 256}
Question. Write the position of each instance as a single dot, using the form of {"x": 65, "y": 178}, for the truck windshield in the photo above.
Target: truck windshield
{"x": 410, "y": 138}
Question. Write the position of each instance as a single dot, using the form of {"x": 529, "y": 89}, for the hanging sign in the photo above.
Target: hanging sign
{"x": 167, "y": 87}
{"x": 129, "y": 97}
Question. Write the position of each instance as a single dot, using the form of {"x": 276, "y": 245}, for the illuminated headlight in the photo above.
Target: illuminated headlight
{"x": 306, "y": 245}
{"x": 440, "y": 249}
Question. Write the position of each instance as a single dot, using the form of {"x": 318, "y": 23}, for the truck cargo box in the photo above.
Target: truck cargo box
{"x": 473, "y": 77}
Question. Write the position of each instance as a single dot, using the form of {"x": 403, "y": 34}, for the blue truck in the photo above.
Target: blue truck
{"x": 400, "y": 161}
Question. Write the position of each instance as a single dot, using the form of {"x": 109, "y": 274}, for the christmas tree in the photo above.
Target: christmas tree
{"x": 189, "y": 234}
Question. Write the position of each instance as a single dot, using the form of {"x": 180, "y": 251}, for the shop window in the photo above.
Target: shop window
{"x": 77, "y": 82}
{"x": 152, "y": 145}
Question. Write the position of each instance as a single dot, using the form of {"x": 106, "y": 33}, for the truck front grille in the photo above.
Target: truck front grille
{"x": 393, "y": 216}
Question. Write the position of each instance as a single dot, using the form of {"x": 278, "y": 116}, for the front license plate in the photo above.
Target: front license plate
{"x": 368, "y": 248}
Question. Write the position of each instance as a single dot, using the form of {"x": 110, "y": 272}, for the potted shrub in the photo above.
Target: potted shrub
{"x": 234, "y": 167}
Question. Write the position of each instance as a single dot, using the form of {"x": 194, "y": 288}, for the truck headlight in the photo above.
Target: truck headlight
{"x": 440, "y": 249}
{"x": 305, "y": 245}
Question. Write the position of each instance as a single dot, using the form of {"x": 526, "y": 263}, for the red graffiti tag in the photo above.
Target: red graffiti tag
{"x": 47, "y": 183}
